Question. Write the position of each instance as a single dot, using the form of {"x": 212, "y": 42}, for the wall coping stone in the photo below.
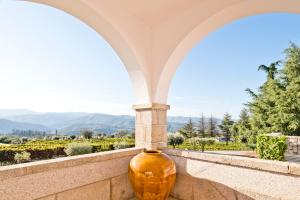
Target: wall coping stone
{"x": 151, "y": 106}
{"x": 18, "y": 170}
{"x": 239, "y": 161}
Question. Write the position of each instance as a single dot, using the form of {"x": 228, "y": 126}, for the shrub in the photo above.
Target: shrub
{"x": 22, "y": 157}
{"x": 271, "y": 147}
{"x": 73, "y": 149}
{"x": 72, "y": 137}
{"x": 87, "y": 134}
{"x": 5, "y": 140}
{"x": 121, "y": 145}
{"x": 252, "y": 146}
{"x": 175, "y": 139}
{"x": 24, "y": 140}
{"x": 16, "y": 141}
{"x": 55, "y": 138}
{"x": 202, "y": 142}
{"x": 244, "y": 139}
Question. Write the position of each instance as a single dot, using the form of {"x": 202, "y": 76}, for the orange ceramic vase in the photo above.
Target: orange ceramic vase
{"x": 152, "y": 175}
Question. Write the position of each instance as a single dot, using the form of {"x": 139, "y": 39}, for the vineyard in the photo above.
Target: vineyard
{"x": 47, "y": 149}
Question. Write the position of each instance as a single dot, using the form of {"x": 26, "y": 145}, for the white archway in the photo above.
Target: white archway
{"x": 229, "y": 14}
{"x": 114, "y": 35}
{"x": 152, "y": 38}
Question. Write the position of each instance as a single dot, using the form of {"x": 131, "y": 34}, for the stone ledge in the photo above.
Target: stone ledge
{"x": 251, "y": 163}
{"x": 18, "y": 170}
{"x": 151, "y": 106}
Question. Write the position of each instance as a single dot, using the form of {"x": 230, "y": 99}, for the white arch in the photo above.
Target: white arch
{"x": 115, "y": 36}
{"x": 238, "y": 10}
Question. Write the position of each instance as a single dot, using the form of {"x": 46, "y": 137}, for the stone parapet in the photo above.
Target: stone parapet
{"x": 220, "y": 177}
{"x": 92, "y": 176}
{"x": 238, "y": 161}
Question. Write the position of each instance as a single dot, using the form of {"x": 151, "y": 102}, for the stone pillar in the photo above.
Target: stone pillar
{"x": 151, "y": 125}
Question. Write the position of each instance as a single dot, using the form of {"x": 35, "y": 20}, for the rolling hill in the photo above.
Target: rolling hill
{"x": 6, "y": 126}
{"x": 74, "y": 122}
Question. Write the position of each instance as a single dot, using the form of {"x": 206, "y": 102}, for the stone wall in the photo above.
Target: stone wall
{"x": 103, "y": 176}
{"x": 293, "y": 145}
{"x": 203, "y": 176}
{"x": 99, "y": 176}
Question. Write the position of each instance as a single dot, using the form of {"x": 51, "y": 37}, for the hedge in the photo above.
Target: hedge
{"x": 271, "y": 147}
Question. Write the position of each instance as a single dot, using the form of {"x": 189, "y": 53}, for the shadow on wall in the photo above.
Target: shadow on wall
{"x": 188, "y": 187}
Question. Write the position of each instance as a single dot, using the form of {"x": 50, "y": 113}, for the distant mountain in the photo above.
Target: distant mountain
{"x": 13, "y": 112}
{"x": 182, "y": 120}
{"x": 51, "y": 120}
{"x": 6, "y": 126}
{"x": 74, "y": 122}
{"x": 99, "y": 123}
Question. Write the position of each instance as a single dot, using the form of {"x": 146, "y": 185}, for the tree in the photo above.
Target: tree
{"x": 72, "y": 137}
{"x": 175, "y": 139}
{"x": 265, "y": 116}
{"x": 242, "y": 128}
{"x": 289, "y": 101}
{"x": 202, "y": 142}
{"x": 275, "y": 107}
{"x": 202, "y": 126}
{"x": 211, "y": 126}
{"x": 123, "y": 134}
{"x": 87, "y": 134}
{"x": 225, "y": 126}
{"x": 187, "y": 131}
{"x": 271, "y": 70}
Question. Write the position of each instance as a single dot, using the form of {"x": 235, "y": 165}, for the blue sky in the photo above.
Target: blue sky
{"x": 50, "y": 61}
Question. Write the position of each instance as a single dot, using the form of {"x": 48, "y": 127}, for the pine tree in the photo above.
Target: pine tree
{"x": 242, "y": 128}
{"x": 264, "y": 104}
{"x": 289, "y": 103}
{"x": 276, "y": 105}
{"x": 225, "y": 126}
{"x": 187, "y": 130}
{"x": 212, "y": 126}
{"x": 202, "y": 126}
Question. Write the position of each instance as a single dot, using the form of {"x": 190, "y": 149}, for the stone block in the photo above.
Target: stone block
{"x": 295, "y": 149}
{"x": 181, "y": 164}
{"x": 38, "y": 185}
{"x": 95, "y": 191}
{"x": 159, "y": 117}
{"x": 121, "y": 188}
{"x": 294, "y": 169}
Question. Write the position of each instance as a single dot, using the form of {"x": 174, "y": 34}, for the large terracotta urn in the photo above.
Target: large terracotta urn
{"x": 152, "y": 175}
